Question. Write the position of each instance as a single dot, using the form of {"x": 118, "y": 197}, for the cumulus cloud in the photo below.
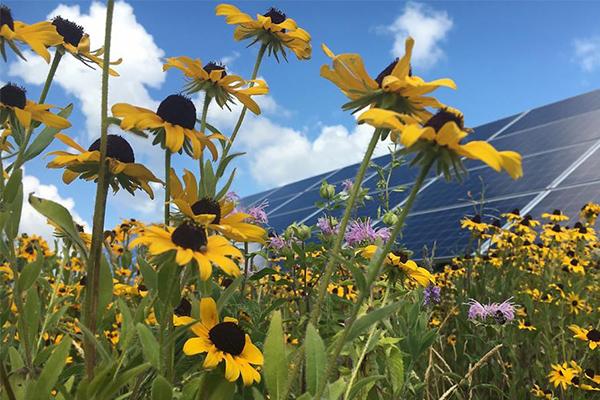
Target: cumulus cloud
{"x": 33, "y": 222}
{"x": 278, "y": 154}
{"x": 587, "y": 53}
{"x": 427, "y": 26}
{"x": 141, "y": 67}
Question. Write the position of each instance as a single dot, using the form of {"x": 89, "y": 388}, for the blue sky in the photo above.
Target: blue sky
{"x": 505, "y": 57}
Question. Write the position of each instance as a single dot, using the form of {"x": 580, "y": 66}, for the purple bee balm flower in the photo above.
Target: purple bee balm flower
{"x": 347, "y": 185}
{"x": 258, "y": 214}
{"x": 360, "y": 232}
{"x": 328, "y": 226}
{"x": 232, "y": 197}
{"x": 431, "y": 295}
{"x": 499, "y": 312}
{"x": 277, "y": 242}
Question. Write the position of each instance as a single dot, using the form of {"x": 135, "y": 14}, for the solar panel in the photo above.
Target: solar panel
{"x": 560, "y": 145}
{"x": 559, "y": 110}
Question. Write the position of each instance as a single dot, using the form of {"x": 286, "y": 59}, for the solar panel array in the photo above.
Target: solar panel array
{"x": 561, "y": 162}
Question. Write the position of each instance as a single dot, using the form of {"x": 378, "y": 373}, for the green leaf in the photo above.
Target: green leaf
{"x": 122, "y": 379}
{"x": 227, "y": 185}
{"x": 225, "y": 162}
{"x": 336, "y": 389}
{"x": 59, "y": 215}
{"x": 223, "y": 390}
{"x": 14, "y": 217}
{"x": 256, "y": 395}
{"x": 12, "y": 186}
{"x": 105, "y": 287}
{"x": 46, "y": 136}
{"x": 358, "y": 275}
{"x": 168, "y": 285}
{"x": 395, "y": 365}
{"x": 227, "y": 293}
{"x": 209, "y": 181}
{"x": 362, "y": 383}
{"x": 32, "y": 314}
{"x": 161, "y": 389}
{"x": 30, "y": 273}
{"x": 316, "y": 359}
{"x": 149, "y": 274}
{"x": 150, "y": 346}
{"x": 275, "y": 368}
{"x": 16, "y": 361}
{"x": 369, "y": 319}
{"x": 47, "y": 380}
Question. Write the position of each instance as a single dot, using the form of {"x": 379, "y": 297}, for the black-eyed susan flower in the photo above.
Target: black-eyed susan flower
{"x": 190, "y": 242}
{"x": 220, "y": 215}
{"x": 555, "y": 216}
{"x": 85, "y": 164}
{"x": 582, "y": 232}
{"x": 540, "y": 393}
{"x": 16, "y": 108}
{"x": 6, "y": 272}
{"x": 37, "y": 36}
{"x": 561, "y": 374}
{"x": 576, "y": 303}
{"x": 591, "y": 374}
{"x": 29, "y": 245}
{"x": 395, "y": 88}
{"x": 526, "y": 325}
{"x": 413, "y": 272}
{"x": 172, "y": 124}
{"x": 441, "y": 135}
{"x": 217, "y": 83}
{"x": 452, "y": 340}
{"x": 590, "y": 212}
{"x": 76, "y": 42}
{"x": 273, "y": 30}
{"x": 224, "y": 341}
{"x": 347, "y": 292}
{"x": 591, "y": 335}
{"x": 182, "y": 314}
{"x": 474, "y": 224}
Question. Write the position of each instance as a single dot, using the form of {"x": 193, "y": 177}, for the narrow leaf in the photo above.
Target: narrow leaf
{"x": 150, "y": 346}
{"x": 371, "y": 318}
{"x": 275, "y": 368}
{"x": 316, "y": 359}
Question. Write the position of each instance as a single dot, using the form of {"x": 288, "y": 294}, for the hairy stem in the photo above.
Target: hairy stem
{"x": 238, "y": 125}
{"x": 205, "y": 105}
{"x": 167, "y": 186}
{"x": 94, "y": 262}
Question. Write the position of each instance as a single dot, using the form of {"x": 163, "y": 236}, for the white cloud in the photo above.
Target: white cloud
{"x": 141, "y": 67}
{"x": 587, "y": 53}
{"x": 279, "y": 154}
{"x": 33, "y": 222}
{"x": 427, "y": 26}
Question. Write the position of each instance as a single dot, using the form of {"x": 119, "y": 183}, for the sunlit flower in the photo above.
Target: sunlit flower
{"x": 29, "y": 245}
{"x": 542, "y": 394}
{"x": 395, "y": 88}
{"x": 190, "y": 242}
{"x": 37, "y": 36}
{"x": 592, "y": 335}
{"x": 217, "y": 83}
{"x": 14, "y": 106}
{"x": 413, "y": 272}
{"x": 85, "y": 164}
{"x": 441, "y": 135}
{"x": 274, "y": 30}
{"x": 361, "y": 232}
{"x": 220, "y": 216}
{"x": 555, "y": 216}
{"x": 561, "y": 374}
{"x": 500, "y": 313}
{"x": 576, "y": 304}
{"x": 224, "y": 341}
{"x": 526, "y": 325}
{"x": 172, "y": 125}
{"x": 77, "y": 43}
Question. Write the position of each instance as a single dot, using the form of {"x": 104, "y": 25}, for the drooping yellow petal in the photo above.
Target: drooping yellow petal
{"x": 208, "y": 312}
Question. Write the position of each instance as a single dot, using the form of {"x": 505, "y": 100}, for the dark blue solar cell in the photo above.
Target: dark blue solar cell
{"x": 442, "y": 228}
{"x": 483, "y": 132}
{"x": 280, "y": 222}
{"x": 306, "y": 200}
{"x": 294, "y": 188}
{"x": 568, "y": 199}
{"x": 588, "y": 171}
{"x": 539, "y": 171}
{"x": 255, "y": 198}
{"x": 561, "y": 133}
{"x": 555, "y": 111}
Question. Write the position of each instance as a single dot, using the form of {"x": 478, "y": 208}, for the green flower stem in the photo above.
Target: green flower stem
{"x": 167, "y": 186}
{"x": 339, "y": 239}
{"x": 94, "y": 262}
{"x": 238, "y": 125}
{"x": 49, "y": 78}
{"x": 334, "y": 254}
{"x": 6, "y": 383}
{"x": 373, "y": 273}
{"x": 206, "y": 104}
{"x": 363, "y": 354}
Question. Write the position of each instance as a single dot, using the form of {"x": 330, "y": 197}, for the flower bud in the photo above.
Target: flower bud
{"x": 327, "y": 191}
{"x": 390, "y": 218}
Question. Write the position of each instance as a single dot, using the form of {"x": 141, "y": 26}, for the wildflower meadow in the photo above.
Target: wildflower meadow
{"x": 206, "y": 302}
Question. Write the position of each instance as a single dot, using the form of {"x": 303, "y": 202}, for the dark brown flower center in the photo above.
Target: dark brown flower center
{"x": 206, "y": 205}
{"x": 589, "y": 372}
{"x": 593, "y": 335}
{"x": 556, "y": 228}
{"x": 276, "y": 15}
{"x": 190, "y": 236}
{"x": 388, "y": 71}
{"x": 116, "y": 148}
{"x": 215, "y": 66}
{"x": 13, "y": 95}
{"x": 228, "y": 337}
{"x": 557, "y": 212}
{"x": 6, "y": 17}
{"x": 442, "y": 117}
{"x": 184, "y": 309}
{"x": 476, "y": 219}
{"x": 178, "y": 110}
{"x": 70, "y": 31}
{"x": 401, "y": 255}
